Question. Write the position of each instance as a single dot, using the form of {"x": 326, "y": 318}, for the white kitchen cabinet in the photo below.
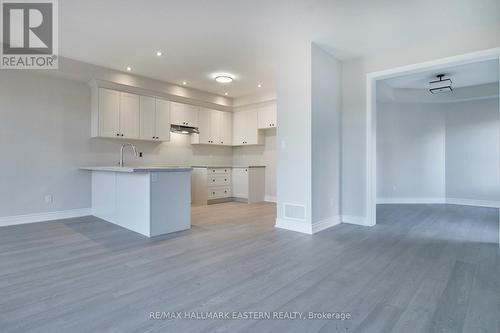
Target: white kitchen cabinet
{"x": 267, "y": 116}
{"x": 245, "y": 128}
{"x": 129, "y": 115}
{"x": 108, "y": 114}
{"x": 148, "y": 118}
{"x": 215, "y": 127}
{"x": 240, "y": 183}
{"x": 183, "y": 114}
{"x": 155, "y": 119}
{"x": 162, "y": 120}
{"x": 208, "y": 125}
{"x": 226, "y": 128}
{"x": 219, "y": 184}
{"x": 116, "y": 114}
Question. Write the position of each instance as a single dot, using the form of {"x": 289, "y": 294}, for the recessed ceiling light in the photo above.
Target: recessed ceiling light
{"x": 226, "y": 94}
{"x": 259, "y": 85}
{"x": 129, "y": 69}
{"x": 159, "y": 53}
{"x": 224, "y": 78}
{"x": 184, "y": 83}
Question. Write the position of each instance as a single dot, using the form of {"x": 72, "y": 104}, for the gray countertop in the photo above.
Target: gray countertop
{"x": 136, "y": 168}
{"x": 229, "y": 166}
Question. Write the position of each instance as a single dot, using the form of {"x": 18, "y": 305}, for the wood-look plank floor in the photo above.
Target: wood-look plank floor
{"x": 423, "y": 268}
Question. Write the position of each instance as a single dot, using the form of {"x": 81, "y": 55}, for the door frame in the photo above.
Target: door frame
{"x": 371, "y": 114}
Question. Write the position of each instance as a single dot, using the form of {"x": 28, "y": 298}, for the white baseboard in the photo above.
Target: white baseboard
{"x": 304, "y": 227}
{"x": 270, "y": 198}
{"x": 450, "y": 201}
{"x": 358, "y": 220}
{"x": 411, "y": 200}
{"x": 325, "y": 224}
{"x": 472, "y": 202}
{"x": 294, "y": 225}
{"x": 42, "y": 217}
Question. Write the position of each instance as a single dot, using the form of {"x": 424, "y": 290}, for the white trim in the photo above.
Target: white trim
{"x": 449, "y": 201}
{"x": 473, "y": 202}
{"x": 294, "y": 225}
{"x": 270, "y": 198}
{"x": 358, "y": 220}
{"x": 325, "y": 224}
{"x": 404, "y": 200}
{"x": 371, "y": 79}
{"x": 43, "y": 217}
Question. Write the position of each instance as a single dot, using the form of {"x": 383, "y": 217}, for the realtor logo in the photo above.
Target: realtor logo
{"x": 29, "y": 34}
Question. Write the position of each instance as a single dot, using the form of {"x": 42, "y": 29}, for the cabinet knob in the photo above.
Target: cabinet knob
{"x": 117, "y": 134}
{"x": 122, "y": 134}
{"x": 213, "y": 180}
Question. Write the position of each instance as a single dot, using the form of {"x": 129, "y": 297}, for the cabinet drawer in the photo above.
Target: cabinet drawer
{"x": 212, "y": 171}
{"x": 218, "y": 180}
{"x": 219, "y": 192}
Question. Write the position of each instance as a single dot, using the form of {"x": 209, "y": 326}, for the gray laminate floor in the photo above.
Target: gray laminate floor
{"x": 423, "y": 268}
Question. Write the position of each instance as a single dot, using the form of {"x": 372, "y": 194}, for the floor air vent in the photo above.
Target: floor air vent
{"x": 294, "y": 211}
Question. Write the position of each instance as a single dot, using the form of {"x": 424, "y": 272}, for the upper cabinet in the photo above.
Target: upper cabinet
{"x": 155, "y": 119}
{"x": 267, "y": 116}
{"x": 215, "y": 127}
{"x": 116, "y": 115}
{"x": 183, "y": 114}
{"x": 245, "y": 128}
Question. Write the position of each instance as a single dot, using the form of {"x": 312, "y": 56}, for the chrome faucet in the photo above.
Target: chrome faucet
{"x": 120, "y": 163}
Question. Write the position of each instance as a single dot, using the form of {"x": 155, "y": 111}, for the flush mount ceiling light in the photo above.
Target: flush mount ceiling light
{"x": 184, "y": 83}
{"x": 224, "y": 79}
{"x": 441, "y": 85}
{"x": 129, "y": 69}
{"x": 225, "y": 94}
{"x": 159, "y": 53}
{"x": 259, "y": 85}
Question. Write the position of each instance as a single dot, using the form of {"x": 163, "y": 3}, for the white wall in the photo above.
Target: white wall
{"x": 45, "y": 137}
{"x": 294, "y": 135}
{"x": 411, "y": 152}
{"x": 309, "y": 106}
{"x": 326, "y": 112}
{"x": 472, "y": 146}
{"x": 441, "y": 152}
{"x": 354, "y": 101}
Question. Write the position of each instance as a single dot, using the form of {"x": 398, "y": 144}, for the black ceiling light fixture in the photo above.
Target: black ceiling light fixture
{"x": 441, "y": 85}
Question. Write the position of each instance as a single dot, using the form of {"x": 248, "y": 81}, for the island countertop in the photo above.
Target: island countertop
{"x": 130, "y": 169}
{"x": 229, "y": 166}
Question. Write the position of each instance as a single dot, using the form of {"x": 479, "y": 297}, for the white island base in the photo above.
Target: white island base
{"x": 150, "y": 201}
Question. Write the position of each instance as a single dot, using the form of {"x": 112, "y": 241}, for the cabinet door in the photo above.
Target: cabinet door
{"x": 215, "y": 119}
{"x": 267, "y": 116}
{"x": 129, "y": 115}
{"x": 204, "y": 125}
{"x": 226, "y": 128}
{"x": 239, "y": 131}
{"x": 162, "y": 120}
{"x": 251, "y": 127}
{"x": 183, "y": 114}
{"x": 191, "y": 115}
{"x": 148, "y": 121}
{"x": 240, "y": 183}
{"x": 109, "y": 113}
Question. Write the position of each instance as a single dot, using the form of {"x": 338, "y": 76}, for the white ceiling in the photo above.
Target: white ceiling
{"x": 462, "y": 76}
{"x": 242, "y": 37}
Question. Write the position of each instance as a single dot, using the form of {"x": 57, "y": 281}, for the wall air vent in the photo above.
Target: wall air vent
{"x": 441, "y": 85}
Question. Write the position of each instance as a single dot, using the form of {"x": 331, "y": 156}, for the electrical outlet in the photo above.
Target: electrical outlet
{"x": 49, "y": 199}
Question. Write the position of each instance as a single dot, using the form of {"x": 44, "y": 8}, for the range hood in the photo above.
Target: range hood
{"x": 184, "y": 129}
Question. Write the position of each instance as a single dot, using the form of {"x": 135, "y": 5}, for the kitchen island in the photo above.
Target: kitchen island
{"x": 149, "y": 200}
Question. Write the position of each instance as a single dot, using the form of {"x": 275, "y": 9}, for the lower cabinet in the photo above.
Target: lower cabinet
{"x": 215, "y": 185}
